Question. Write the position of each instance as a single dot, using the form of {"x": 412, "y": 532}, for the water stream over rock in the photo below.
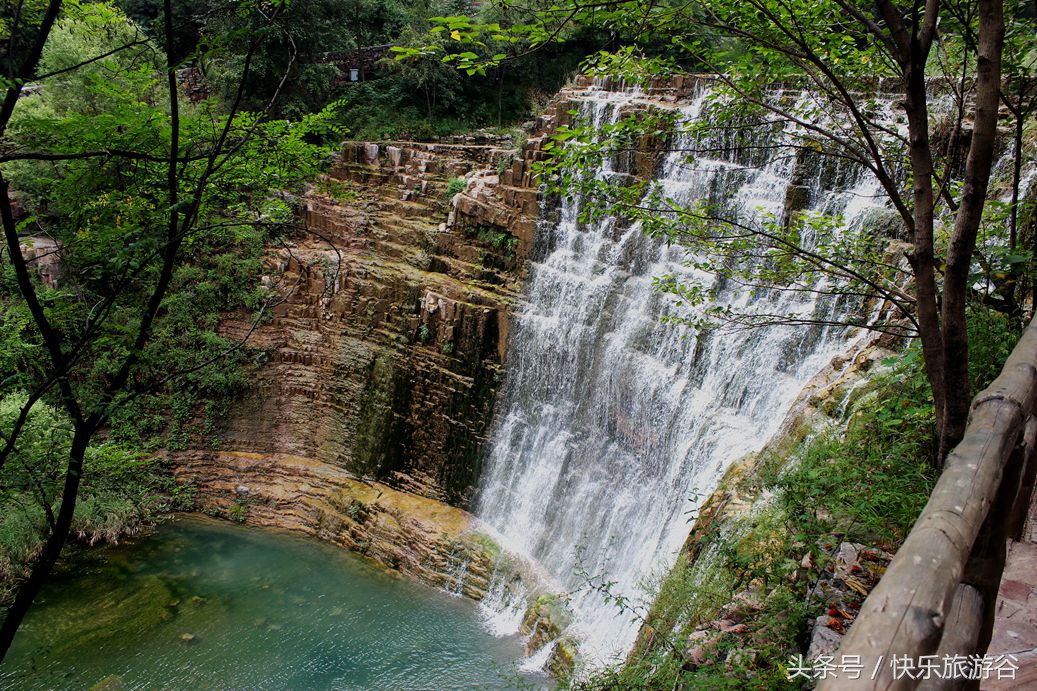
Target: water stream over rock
{"x": 613, "y": 424}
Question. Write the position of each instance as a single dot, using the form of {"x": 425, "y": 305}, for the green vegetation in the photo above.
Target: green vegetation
{"x": 92, "y": 209}
{"x": 215, "y": 36}
{"x": 356, "y": 511}
{"x": 865, "y": 486}
{"x": 421, "y": 97}
{"x": 124, "y": 491}
{"x": 494, "y": 237}
{"x": 340, "y": 190}
{"x": 424, "y": 98}
{"x": 455, "y": 186}
{"x": 157, "y": 211}
{"x": 490, "y": 547}
{"x": 238, "y": 511}
{"x": 504, "y": 164}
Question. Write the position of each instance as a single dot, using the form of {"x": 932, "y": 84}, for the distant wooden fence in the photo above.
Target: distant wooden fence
{"x": 939, "y": 593}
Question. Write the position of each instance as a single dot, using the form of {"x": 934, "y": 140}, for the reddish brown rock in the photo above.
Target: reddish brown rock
{"x": 420, "y": 537}
{"x": 385, "y": 357}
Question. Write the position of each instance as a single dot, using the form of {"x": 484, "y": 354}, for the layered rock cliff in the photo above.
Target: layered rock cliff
{"x": 385, "y": 357}
{"x": 364, "y": 425}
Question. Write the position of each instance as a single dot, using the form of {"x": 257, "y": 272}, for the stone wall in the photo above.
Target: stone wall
{"x": 385, "y": 357}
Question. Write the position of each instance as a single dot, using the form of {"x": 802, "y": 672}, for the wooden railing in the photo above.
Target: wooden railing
{"x": 939, "y": 593}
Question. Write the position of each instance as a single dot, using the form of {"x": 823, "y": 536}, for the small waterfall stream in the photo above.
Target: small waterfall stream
{"x": 612, "y": 424}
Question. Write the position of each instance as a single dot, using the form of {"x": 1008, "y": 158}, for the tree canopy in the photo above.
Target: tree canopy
{"x": 159, "y": 211}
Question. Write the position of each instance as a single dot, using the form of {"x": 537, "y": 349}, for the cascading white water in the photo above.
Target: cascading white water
{"x": 613, "y": 423}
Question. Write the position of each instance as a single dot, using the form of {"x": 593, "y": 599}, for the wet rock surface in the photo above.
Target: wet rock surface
{"x": 417, "y": 536}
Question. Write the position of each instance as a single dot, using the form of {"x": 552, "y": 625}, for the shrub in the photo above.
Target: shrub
{"x": 455, "y": 186}
{"x": 504, "y": 164}
{"x": 340, "y": 190}
{"x": 122, "y": 490}
{"x": 355, "y": 511}
{"x": 238, "y": 511}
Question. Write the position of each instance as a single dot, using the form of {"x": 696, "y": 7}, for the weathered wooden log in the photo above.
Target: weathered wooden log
{"x": 1021, "y": 505}
{"x": 960, "y": 637}
{"x": 906, "y": 614}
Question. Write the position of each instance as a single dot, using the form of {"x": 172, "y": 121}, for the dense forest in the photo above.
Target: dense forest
{"x": 820, "y": 219}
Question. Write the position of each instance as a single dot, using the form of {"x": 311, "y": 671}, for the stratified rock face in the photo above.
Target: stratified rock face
{"x": 364, "y": 425}
{"x": 420, "y": 537}
{"x": 43, "y": 254}
{"x": 385, "y": 358}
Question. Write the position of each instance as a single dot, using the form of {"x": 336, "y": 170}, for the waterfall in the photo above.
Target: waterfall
{"x": 612, "y": 424}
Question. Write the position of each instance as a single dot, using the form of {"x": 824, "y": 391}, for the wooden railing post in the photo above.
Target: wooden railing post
{"x": 938, "y": 595}
{"x": 960, "y": 637}
{"x": 971, "y": 618}
{"x": 1021, "y": 505}
{"x": 987, "y": 559}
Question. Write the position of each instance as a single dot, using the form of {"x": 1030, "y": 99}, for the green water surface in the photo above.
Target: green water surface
{"x": 203, "y": 604}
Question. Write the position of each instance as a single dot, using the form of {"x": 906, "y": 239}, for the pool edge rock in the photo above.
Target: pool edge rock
{"x": 416, "y": 536}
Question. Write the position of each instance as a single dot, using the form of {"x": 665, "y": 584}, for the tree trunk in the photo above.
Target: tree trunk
{"x": 1017, "y": 170}
{"x": 922, "y": 256}
{"x": 500, "y": 93}
{"x": 966, "y": 226}
{"x": 1017, "y": 280}
{"x": 30, "y": 588}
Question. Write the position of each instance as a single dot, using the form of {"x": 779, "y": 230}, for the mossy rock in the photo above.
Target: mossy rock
{"x": 563, "y": 659}
{"x": 88, "y": 623}
{"x": 548, "y": 606}
{"x": 544, "y": 620}
{"x": 113, "y": 682}
{"x": 849, "y": 396}
{"x": 489, "y": 547}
